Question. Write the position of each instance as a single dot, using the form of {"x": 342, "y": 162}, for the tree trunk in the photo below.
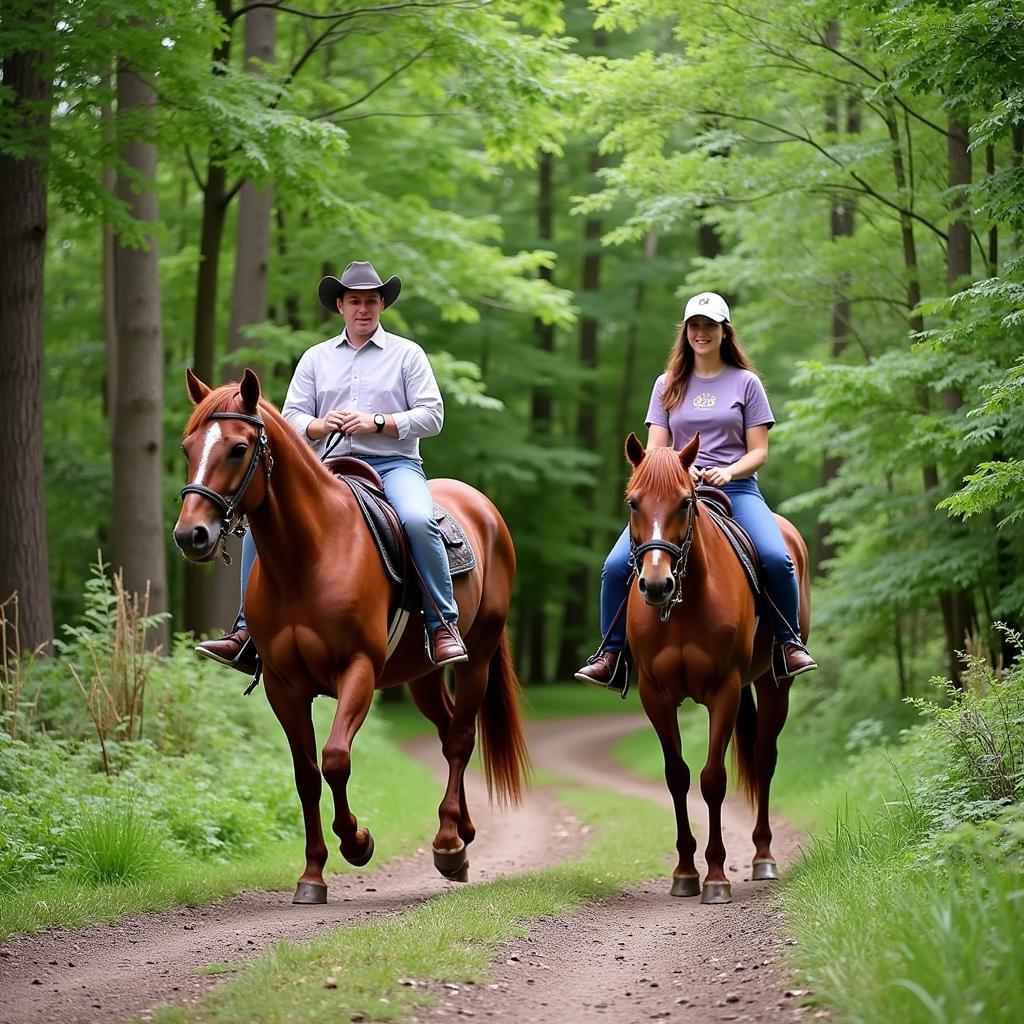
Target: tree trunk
{"x": 957, "y": 604}
{"x": 199, "y": 614}
{"x": 628, "y": 388}
{"x": 23, "y": 189}
{"x": 575, "y": 617}
{"x": 534, "y": 643}
{"x": 138, "y": 523}
{"x": 841, "y": 225}
{"x": 249, "y": 294}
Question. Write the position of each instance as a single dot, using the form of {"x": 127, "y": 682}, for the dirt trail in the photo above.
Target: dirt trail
{"x": 108, "y": 972}
{"x": 640, "y": 956}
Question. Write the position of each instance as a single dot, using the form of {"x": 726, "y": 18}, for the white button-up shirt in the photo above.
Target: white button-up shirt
{"x": 388, "y": 374}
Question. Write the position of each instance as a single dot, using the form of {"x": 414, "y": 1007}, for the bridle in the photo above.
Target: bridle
{"x": 230, "y": 518}
{"x": 679, "y": 554}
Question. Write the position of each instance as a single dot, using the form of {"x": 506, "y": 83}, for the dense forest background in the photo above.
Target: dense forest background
{"x": 551, "y": 181}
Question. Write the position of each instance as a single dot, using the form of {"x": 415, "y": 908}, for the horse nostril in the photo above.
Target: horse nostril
{"x": 642, "y": 585}
{"x": 200, "y": 538}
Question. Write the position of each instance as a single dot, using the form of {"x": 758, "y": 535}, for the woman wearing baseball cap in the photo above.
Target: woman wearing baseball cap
{"x": 710, "y": 386}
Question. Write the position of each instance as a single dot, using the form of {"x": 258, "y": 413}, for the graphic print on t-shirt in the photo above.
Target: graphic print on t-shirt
{"x": 705, "y": 400}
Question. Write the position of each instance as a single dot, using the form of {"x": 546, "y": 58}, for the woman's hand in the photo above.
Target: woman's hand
{"x": 719, "y": 476}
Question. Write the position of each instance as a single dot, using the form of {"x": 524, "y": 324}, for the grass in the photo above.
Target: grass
{"x": 452, "y": 938}
{"x": 120, "y": 864}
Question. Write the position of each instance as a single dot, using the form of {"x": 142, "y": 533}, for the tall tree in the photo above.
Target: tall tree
{"x": 249, "y": 292}
{"x": 27, "y": 86}
{"x": 138, "y": 525}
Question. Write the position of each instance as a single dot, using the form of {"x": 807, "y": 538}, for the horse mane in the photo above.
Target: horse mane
{"x": 661, "y": 472}
{"x": 227, "y": 398}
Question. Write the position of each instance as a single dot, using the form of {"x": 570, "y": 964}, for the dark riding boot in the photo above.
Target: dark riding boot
{"x": 446, "y": 646}
{"x": 795, "y": 660}
{"x": 235, "y": 650}
{"x": 606, "y": 668}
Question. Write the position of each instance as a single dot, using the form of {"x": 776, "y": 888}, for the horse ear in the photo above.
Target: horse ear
{"x": 635, "y": 450}
{"x": 196, "y": 388}
{"x": 249, "y": 389}
{"x": 689, "y": 453}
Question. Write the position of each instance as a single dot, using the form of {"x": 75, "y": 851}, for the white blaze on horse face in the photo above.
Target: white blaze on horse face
{"x": 211, "y": 438}
{"x": 656, "y": 535}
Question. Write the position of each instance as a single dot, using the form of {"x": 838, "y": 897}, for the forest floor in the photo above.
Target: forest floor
{"x": 639, "y": 956}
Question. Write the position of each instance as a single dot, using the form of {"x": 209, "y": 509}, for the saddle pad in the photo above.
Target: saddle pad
{"x": 740, "y": 541}
{"x": 388, "y": 535}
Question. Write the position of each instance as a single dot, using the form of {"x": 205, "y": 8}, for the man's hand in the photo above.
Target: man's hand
{"x": 345, "y": 421}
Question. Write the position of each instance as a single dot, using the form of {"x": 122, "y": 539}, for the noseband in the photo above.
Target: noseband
{"x": 229, "y": 506}
{"x": 678, "y": 552}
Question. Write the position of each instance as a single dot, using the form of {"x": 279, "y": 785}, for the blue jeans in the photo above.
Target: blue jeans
{"x": 779, "y": 574}
{"x": 405, "y": 485}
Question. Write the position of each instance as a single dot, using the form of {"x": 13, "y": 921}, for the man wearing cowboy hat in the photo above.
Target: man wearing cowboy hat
{"x": 377, "y": 391}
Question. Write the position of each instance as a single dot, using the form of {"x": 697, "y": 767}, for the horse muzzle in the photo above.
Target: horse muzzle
{"x": 657, "y": 592}
{"x": 200, "y": 542}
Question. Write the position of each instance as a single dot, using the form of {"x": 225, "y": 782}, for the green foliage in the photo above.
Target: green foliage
{"x": 909, "y": 908}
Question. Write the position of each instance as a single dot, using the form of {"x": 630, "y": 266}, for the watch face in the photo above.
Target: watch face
{"x": 378, "y": 422}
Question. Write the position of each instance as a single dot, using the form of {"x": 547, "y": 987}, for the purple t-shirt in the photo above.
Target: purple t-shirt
{"x": 720, "y": 407}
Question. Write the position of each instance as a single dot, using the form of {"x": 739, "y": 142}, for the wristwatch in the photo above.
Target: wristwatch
{"x": 378, "y": 421}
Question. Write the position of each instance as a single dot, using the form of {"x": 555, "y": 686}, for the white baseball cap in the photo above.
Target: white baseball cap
{"x": 709, "y": 304}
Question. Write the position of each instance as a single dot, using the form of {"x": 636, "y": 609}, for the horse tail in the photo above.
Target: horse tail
{"x": 502, "y": 742}
{"x": 744, "y": 739}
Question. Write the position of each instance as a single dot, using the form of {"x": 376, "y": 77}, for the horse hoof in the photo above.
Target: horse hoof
{"x": 360, "y": 859}
{"x": 716, "y": 892}
{"x": 462, "y": 875}
{"x": 310, "y": 893}
{"x": 685, "y": 885}
{"x": 765, "y": 870}
{"x": 452, "y": 863}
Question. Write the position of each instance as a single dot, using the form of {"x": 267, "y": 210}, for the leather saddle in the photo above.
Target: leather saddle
{"x": 388, "y": 533}
{"x": 717, "y": 504}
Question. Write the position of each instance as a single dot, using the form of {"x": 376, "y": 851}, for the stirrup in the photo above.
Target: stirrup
{"x": 621, "y": 671}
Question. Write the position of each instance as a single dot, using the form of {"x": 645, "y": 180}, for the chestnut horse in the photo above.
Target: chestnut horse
{"x": 317, "y": 606}
{"x": 693, "y": 629}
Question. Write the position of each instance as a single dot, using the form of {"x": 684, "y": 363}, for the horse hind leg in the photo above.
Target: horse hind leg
{"x": 296, "y": 720}
{"x": 449, "y": 847}
{"x": 434, "y": 702}
{"x": 772, "y": 710}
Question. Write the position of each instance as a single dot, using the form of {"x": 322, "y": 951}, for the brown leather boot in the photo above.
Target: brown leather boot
{"x": 234, "y": 650}
{"x": 446, "y": 646}
{"x": 796, "y": 659}
{"x": 600, "y": 670}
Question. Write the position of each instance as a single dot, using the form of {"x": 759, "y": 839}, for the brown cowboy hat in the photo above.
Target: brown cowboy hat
{"x": 358, "y": 276}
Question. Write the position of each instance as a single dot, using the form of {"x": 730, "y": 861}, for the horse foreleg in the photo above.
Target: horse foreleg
{"x": 449, "y": 845}
{"x": 354, "y": 689}
{"x": 722, "y": 711}
{"x": 772, "y": 710}
{"x": 661, "y": 710}
{"x": 431, "y": 697}
{"x": 297, "y": 721}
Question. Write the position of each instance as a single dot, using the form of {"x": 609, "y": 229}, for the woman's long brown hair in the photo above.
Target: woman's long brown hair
{"x": 681, "y": 362}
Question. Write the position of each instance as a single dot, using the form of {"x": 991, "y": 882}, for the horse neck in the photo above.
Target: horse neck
{"x": 300, "y": 500}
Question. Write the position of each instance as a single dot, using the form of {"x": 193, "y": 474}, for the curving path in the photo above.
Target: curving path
{"x": 637, "y": 957}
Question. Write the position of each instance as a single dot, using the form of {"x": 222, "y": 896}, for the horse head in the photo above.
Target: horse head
{"x": 662, "y": 508}
{"x": 225, "y": 442}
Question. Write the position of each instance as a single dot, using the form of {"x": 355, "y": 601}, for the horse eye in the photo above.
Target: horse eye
{"x": 239, "y": 451}
{"x": 631, "y": 502}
